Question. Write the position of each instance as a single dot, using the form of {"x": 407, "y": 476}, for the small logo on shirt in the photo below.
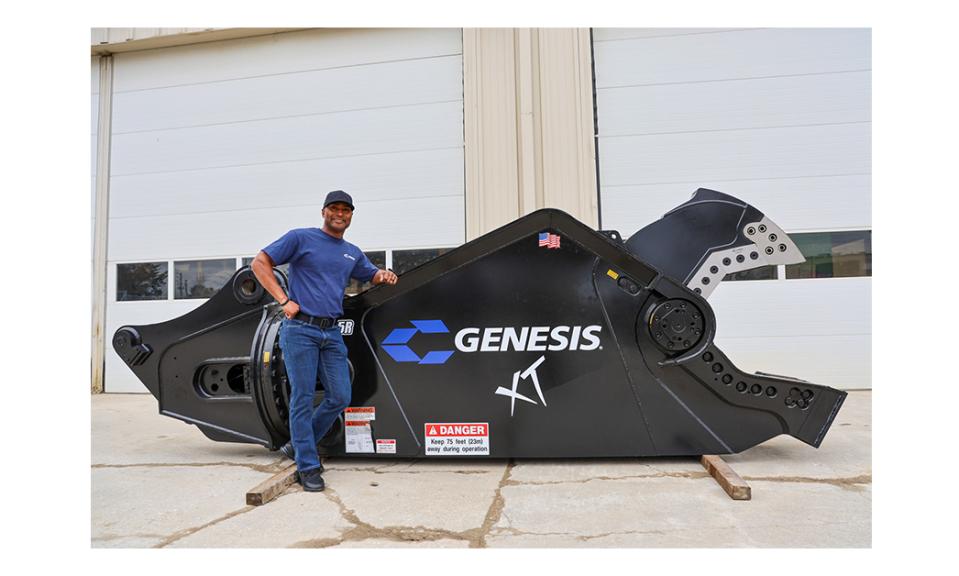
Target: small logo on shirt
{"x": 350, "y": 257}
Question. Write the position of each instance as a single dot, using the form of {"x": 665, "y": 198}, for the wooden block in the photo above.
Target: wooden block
{"x": 735, "y": 486}
{"x": 272, "y": 486}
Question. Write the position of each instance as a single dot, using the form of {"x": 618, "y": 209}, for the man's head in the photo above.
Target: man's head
{"x": 337, "y": 212}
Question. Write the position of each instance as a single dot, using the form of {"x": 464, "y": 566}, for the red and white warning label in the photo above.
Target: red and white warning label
{"x": 359, "y": 432}
{"x": 457, "y": 438}
{"x": 386, "y": 446}
{"x": 359, "y": 436}
{"x": 360, "y": 413}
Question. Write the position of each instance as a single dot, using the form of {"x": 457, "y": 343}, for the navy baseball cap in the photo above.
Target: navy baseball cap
{"x": 338, "y": 196}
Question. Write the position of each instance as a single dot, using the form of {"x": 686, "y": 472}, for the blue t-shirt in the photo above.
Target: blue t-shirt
{"x": 320, "y": 269}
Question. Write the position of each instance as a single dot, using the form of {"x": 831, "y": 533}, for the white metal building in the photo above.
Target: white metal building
{"x": 209, "y": 144}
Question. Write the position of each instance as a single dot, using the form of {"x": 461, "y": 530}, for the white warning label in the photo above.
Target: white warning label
{"x": 457, "y": 438}
{"x": 386, "y": 446}
{"x": 359, "y": 436}
{"x": 360, "y": 413}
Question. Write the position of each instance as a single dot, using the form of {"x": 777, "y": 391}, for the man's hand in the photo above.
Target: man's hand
{"x": 384, "y": 277}
{"x": 290, "y": 309}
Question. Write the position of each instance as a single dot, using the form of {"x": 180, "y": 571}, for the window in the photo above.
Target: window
{"x": 406, "y": 260}
{"x": 142, "y": 281}
{"x": 378, "y": 258}
{"x": 833, "y": 255}
{"x": 201, "y": 278}
{"x": 761, "y": 273}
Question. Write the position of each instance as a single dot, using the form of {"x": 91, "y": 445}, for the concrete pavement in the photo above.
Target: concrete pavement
{"x": 158, "y": 482}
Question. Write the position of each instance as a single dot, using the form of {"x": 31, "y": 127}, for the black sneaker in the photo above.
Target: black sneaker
{"x": 287, "y": 450}
{"x": 311, "y": 480}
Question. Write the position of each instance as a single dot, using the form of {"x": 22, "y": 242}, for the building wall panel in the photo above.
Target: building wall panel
{"x": 837, "y": 98}
{"x": 818, "y": 330}
{"x": 755, "y": 53}
{"x": 297, "y": 94}
{"x": 746, "y": 154}
{"x": 604, "y": 34}
{"x": 278, "y": 54}
{"x": 304, "y": 184}
{"x": 363, "y": 132}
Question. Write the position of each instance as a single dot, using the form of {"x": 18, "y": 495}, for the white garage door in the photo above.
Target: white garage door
{"x": 220, "y": 148}
{"x": 781, "y": 119}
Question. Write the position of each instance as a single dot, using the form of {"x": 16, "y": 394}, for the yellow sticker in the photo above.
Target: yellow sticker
{"x": 612, "y": 274}
{"x": 266, "y": 357}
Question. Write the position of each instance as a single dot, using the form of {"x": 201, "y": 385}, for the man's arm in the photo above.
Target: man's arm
{"x": 384, "y": 277}
{"x": 262, "y": 267}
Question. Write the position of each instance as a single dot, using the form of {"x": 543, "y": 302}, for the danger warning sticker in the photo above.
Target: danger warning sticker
{"x": 386, "y": 446}
{"x": 360, "y": 413}
{"x": 457, "y": 438}
{"x": 359, "y": 436}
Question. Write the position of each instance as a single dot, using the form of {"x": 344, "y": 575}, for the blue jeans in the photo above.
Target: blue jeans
{"x": 308, "y": 352}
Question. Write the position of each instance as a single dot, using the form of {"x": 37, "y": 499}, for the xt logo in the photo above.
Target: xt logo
{"x": 395, "y": 343}
{"x": 513, "y": 394}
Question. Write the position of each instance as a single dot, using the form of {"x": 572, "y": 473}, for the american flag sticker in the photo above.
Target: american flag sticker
{"x": 549, "y": 240}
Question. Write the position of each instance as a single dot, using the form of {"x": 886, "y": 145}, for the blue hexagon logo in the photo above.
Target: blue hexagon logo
{"x": 395, "y": 343}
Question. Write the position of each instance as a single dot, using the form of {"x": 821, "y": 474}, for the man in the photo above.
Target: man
{"x": 321, "y": 265}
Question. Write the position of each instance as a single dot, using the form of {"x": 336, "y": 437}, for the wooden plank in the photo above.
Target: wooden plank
{"x": 272, "y": 487}
{"x": 735, "y": 486}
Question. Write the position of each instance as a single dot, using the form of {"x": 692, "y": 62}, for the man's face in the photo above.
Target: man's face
{"x": 337, "y": 216}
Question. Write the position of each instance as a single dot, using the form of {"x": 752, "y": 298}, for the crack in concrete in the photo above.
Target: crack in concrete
{"x": 517, "y": 532}
{"x": 364, "y": 531}
{"x": 401, "y": 534}
{"x": 180, "y": 534}
{"x": 475, "y": 537}
{"x": 495, "y": 511}
{"x": 588, "y": 537}
{"x": 265, "y": 468}
{"x": 849, "y": 483}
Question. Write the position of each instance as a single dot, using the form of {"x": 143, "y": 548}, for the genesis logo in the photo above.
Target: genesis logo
{"x": 395, "y": 343}
{"x": 492, "y": 339}
{"x": 528, "y": 338}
